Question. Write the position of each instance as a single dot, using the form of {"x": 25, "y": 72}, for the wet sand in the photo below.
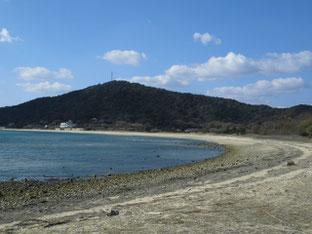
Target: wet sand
{"x": 251, "y": 188}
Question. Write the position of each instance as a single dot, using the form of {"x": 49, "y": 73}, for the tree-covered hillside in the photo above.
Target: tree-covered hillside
{"x": 119, "y": 104}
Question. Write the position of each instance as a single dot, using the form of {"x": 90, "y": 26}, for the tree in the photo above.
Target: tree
{"x": 305, "y": 127}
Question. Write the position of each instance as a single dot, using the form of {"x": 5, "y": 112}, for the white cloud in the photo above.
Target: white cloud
{"x": 159, "y": 81}
{"x": 44, "y": 87}
{"x": 284, "y": 63}
{"x": 230, "y": 66}
{"x": 205, "y": 38}
{"x": 261, "y": 89}
{"x": 129, "y": 57}
{"x": 42, "y": 73}
{"x": 5, "y": 36}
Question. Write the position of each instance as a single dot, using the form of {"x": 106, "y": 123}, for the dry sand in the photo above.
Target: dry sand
{"x": 249, "y": 189}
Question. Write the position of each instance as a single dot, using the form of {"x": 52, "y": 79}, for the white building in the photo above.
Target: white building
{"x": 65, "y": 125}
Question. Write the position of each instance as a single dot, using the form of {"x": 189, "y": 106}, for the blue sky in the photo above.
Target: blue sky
{"x": 257, "y": 52}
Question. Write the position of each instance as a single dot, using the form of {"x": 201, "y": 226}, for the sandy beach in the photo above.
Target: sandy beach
{"x": 259, "y": 186}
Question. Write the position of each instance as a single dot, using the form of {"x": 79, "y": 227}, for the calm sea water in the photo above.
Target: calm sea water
{"x": 45, "y": 155}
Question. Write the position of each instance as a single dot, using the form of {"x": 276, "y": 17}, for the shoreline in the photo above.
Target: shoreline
{"x": 32, "y": 188}
{"x": 213, "y": 138}
{"x": 252, "y": 165}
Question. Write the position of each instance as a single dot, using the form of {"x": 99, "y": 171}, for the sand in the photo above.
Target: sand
{"x": 249, "y": 189}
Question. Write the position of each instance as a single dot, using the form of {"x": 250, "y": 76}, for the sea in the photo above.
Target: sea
{"x": 60, "y": 155}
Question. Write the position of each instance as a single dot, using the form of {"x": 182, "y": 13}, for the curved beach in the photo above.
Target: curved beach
{"x": 258, "y": 186}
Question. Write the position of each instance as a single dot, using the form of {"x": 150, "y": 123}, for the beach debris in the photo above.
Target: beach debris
{"x": 113, "y": 213}
{"x": 291, "y": 163}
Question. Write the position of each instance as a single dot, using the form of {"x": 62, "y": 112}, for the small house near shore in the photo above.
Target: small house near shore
{"x": 67, "y": 125}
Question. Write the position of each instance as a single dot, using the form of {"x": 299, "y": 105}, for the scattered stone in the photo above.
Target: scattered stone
{"x": 113, "y": 213}
{"x": 291, "y": 163}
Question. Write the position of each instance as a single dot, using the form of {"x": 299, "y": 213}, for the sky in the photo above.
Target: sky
{"x": 257, "y": 52}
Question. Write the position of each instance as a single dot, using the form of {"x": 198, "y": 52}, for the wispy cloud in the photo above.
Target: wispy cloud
{"x": 42, "y": 73}
{"x": 257, "y": 92}
{"x": 230, "y": 66}
{"x": 130, "y": 57}
{"x": 44, "y": 87}
{"x": 205, "y": 38}
{"x": 6, "y": 37}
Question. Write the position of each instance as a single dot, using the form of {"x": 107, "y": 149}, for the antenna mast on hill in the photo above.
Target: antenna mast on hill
{"x": 111, "y": 76}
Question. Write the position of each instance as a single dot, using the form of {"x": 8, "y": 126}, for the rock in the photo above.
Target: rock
{"x": 291, "y": 163}
{"x": 113, "y": 213}
{"x": 102, "y": 212}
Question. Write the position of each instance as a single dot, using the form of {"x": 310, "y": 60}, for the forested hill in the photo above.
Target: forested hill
{"x": 120, "y": 104}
